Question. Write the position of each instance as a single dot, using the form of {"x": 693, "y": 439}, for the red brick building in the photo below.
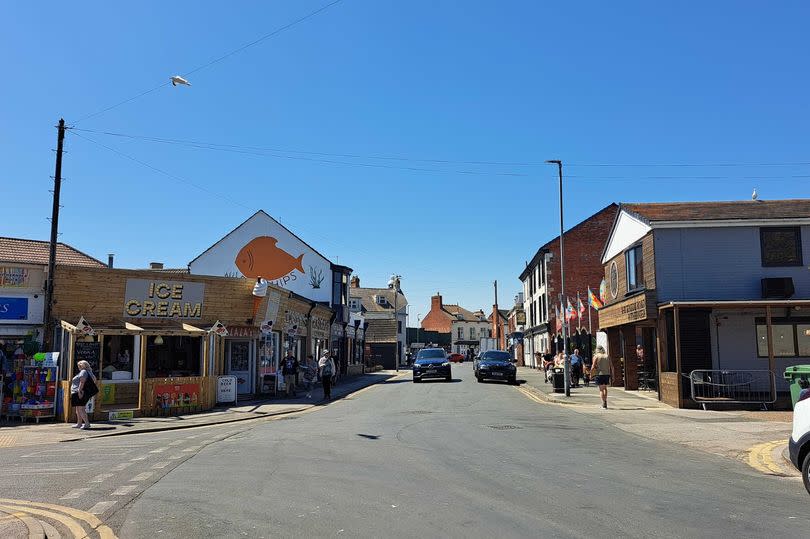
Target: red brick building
{"x": 584, "y": 243}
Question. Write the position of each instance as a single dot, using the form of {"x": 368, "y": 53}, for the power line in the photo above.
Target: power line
{"x": 215, "y": 60}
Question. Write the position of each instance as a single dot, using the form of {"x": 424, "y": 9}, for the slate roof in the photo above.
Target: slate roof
{"x": 366, "y": 296}
{"x": 713, "y": 211}
{"x": 467, "y": 316}
{"x": 22, "y": 251}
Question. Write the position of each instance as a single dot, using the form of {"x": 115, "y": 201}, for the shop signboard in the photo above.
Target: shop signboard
{"x": 226, "y": 388}
{"x": 320, "y": 327}
{"x": 14, "y": 277}
{"x": 177, "y": 395}
{"x": 89, "y": 352}
{"x": 121, "y": 414}
{"x": 147, "y": 298}
{"x": 13, "y": 308}
{"x": 262, "y": 247}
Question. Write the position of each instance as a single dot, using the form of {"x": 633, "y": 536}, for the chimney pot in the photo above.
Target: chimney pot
{"x": 156, "y": 265}
{"x": 110, "y": 260}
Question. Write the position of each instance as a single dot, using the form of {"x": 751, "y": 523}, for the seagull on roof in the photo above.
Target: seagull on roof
{"x": 177, "y": 79}
{"x": 754, "y": 194}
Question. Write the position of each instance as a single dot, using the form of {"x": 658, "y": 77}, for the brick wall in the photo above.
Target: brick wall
{"x": 437, "y": 319}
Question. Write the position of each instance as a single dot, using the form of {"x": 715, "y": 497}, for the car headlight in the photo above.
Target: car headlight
{"x": 482, "y": 367}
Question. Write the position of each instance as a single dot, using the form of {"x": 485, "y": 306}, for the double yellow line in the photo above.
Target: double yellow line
{"x": 32, "y": 513}
{"x": 531, "y": 395}
{"x": 760, "y": 457}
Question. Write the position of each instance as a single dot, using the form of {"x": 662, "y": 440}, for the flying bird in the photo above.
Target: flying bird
{"x": 177, "y": 79}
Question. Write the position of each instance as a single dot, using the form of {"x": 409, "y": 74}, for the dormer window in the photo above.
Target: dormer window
{"x": 382, "y": 301}
{"x": 354, "y": 304}
{"x": 459, "y": 316}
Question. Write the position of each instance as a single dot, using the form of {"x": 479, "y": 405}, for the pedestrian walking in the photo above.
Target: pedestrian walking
{"x": 82, "y": 388}
{"x": 327, "y": 367}
{"x": 289, "y": 369}
{"x": 600, "y": 370}
{"x": 310, "y": 374}
{"x": 576, "y": 367}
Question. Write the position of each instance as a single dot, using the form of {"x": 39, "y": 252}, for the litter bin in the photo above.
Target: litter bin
{"x": 793, "y": 374}
{"x": 558, "y": 379}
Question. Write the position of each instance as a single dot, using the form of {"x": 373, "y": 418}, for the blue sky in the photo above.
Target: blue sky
{"x": 426, "y": 82}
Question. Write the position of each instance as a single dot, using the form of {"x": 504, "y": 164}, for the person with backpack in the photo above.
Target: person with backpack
{"x": 289, "y": 369}
{"x": 82, "y": 388}
{"x": 327, "y": 367}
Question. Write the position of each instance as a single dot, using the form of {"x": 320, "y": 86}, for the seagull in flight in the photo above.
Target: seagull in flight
{"x": 177, "y": 79}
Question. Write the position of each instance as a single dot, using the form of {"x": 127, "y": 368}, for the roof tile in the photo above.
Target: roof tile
{"x": 22, "y": 251}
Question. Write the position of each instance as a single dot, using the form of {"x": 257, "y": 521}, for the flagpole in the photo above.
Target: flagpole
{"x": 590, "y": 332}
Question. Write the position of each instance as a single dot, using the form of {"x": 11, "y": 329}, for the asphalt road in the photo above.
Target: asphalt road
{"x": 435, "y": 459}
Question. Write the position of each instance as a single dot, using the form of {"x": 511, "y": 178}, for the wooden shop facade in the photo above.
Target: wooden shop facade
{"x": 159, "y": 340}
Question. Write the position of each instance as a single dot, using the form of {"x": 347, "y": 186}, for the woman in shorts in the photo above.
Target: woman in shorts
{"x": 600, "y": 372}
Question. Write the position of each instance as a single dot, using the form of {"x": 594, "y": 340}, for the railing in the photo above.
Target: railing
{"x": 733, "y": 387}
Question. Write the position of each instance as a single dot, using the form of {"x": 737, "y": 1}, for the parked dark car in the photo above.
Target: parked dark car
{"x": 495, "y": 365}
{"x": 431, "y": 363}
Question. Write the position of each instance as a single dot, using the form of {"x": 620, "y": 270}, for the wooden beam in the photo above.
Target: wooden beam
{"x": 663, "y": 349}
{"x": 677, "y": 316}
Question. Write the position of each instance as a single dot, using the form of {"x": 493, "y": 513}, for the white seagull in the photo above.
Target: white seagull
{"x": 754, "y": 194}
{"x": 177, "y": 79}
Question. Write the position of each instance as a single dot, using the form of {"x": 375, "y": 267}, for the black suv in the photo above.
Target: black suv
{"x": 431, "y": 363}
{"x": 495, "y": 365}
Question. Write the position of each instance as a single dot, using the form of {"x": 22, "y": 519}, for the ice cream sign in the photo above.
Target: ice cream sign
{"x": 146, "y": 298}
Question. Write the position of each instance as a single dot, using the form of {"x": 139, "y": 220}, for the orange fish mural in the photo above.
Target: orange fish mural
{"x": 261, "y": 258}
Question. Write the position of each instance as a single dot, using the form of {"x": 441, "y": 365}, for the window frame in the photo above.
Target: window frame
{"x": 798, "y": 244}
{"x": 635, "y": 250}
{"x": 794, "y": 322}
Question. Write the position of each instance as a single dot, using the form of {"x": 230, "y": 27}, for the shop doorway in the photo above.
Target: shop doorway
{"x": 241, "y": 363}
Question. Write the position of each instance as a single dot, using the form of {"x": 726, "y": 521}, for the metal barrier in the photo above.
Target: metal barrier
{"x": 733, "y": 387}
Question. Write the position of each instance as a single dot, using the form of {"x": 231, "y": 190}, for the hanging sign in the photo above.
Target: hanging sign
{"x": 266, "y": 327}
{"x": 219, "y": 329}
{"x": 84, "y": 328}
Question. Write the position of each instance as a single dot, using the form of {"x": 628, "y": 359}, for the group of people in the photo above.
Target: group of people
{"x": 598, "y": 370}
{"x": 311, "y": 371}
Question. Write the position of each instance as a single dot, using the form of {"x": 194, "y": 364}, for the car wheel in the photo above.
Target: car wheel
{"x": 416, "y": 380}
{"x": 806, "y": 471}
{"x": 512, "y": 381}
{"x": 480, "y": 380}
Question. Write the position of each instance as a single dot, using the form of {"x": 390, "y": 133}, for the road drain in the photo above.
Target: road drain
{"x": 504, "y": 427}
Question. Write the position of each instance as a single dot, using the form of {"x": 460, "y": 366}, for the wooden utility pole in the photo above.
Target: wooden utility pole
{"x": 57, "y": 187}
{"x": 497, "y": 317}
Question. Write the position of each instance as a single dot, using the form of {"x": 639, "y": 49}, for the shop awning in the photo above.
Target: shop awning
{"x": 735, "y": 304}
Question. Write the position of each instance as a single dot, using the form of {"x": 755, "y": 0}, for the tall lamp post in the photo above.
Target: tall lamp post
{"x": 393, "y": 282}
{"x": 567, "y": 368}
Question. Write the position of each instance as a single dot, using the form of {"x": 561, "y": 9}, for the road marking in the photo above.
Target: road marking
{"x": 123, "y": 491}
{"x": 100, "y": 478}
{"x": 75, "y": 493}
{"x": 159, "y": 450}
{"x": 176, "y": 442}
{"x": 100, "y": 507}
{"x": 138, "y": 458}
{"x": 175, "y": 457}
{"x": 8, "y": 440}
{"x": 193, "y": 448}
{"x": 160, "y": 465}
{"x": 760, "y": 457}
{"x": 143, "y": 476}
{"x": 119, "y": 467}
{"x": 58, "y": 512}
{"x": 531, "y": 395}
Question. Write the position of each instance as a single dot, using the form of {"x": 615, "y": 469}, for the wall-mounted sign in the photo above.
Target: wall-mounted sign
{"x": 145, "y": 298}
{"x": 634, "y": 309}
{"x": 614, "y": 280}
{"x": 13, "y": 308}
{"x": 15, "y": 277}
{"x": 320, "y": 328}
{"x": 177, "y": 395}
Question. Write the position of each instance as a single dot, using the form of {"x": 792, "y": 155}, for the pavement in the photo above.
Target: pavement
{"x": 758, "y": 439}
{"x": 395, "y": 459}
{"x": 17, "y": 434}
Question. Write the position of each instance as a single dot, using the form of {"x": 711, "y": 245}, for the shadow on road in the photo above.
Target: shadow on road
{"x": 369, "y": 436}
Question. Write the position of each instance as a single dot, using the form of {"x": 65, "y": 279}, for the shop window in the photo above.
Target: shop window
{"x": 118, "y": 358}
{"x": 781, "y": 246}
{"x": 173, "y": 356}
{"x": 634, "y": 262}
{"x": 783, "y": 340}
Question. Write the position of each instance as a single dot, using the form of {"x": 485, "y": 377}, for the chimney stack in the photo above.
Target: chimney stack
{"x": 436, "y": 302}
{"x": 156, "y": 265}
{"x": 110, "y": 260}
{"x": 355, "y": 282}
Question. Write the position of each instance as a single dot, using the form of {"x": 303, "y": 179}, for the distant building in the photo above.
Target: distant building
{"x": 385, "y": 332}
{"x": 516, "y": 323}
{"x": 465, "y": 327}
{"x": 541, "y": 284}
{"x": 499, "y": 325}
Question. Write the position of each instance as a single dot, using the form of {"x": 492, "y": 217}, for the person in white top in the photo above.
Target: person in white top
{"x": 327, "y": 370}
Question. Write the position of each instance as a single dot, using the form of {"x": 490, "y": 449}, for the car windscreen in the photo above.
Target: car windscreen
{"x": 494, "y": 355}
{"x": 430, "y": 354}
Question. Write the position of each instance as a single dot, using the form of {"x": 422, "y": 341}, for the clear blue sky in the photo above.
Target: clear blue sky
{"x": 515, "y": 82}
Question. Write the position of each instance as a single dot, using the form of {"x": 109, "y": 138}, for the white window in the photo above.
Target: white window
{"x": 460, "y": 333}
{"x": 381, "y": 300}
{"x": 354, "y": 304}
{"x": 472, "y": 334}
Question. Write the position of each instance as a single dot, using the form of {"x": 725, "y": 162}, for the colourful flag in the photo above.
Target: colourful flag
{"x": 557, "y": 317}
{"x": 570, "y": 313}
{"x": 581, "y": 306}
{"x": 593, "y": 301}
{"x": 603, "y": 291}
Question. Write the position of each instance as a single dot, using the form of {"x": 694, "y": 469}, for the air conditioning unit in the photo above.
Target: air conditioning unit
{"x": 777, "y": 288}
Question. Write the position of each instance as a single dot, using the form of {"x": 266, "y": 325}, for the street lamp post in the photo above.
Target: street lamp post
{"x": 567, "y": 364}
{"x": 394, "y": 283}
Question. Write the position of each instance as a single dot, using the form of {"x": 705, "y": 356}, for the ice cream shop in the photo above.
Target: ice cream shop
{"x": 159, "y": 340}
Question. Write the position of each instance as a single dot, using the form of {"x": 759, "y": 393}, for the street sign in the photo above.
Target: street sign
{"x": 226, "y": 388}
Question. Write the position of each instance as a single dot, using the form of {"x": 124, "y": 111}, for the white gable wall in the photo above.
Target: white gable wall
{"x": 220, "y": 259}
{"x": 626, "y": 232}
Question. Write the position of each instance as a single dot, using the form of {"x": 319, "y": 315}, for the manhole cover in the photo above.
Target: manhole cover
{"x": 503, "y": 427}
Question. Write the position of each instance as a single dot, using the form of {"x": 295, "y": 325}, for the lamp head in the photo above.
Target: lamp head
{"x": 554, "y": 161}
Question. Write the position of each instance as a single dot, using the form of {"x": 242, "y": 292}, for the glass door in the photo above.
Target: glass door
{"x": 239, "y": 362}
